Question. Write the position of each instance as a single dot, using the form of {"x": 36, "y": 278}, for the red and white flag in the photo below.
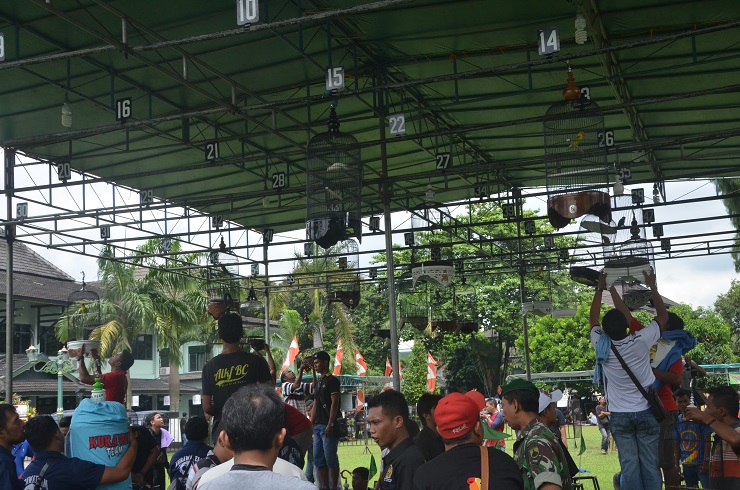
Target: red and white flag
{"x": 388, "y": 368}
{"x": 338, "y": 359}
{"x": 431, "y": 373}
{"x": 291, "y": 355}
{"x": 360, "y": 398}
{"x": 360, "y": 363}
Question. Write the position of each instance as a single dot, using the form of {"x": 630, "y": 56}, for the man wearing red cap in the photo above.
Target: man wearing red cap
{"x": 458, "y": 422}
{"x": 537, "y": 452}
{"x": 388, "y": 415}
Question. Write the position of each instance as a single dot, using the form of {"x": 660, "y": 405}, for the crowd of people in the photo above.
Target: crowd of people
{"x": 260, "y": 439}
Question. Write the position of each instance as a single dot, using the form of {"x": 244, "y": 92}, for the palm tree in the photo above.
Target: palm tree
{"x": 127, "y": 308}
{"x": 179, "y": 307}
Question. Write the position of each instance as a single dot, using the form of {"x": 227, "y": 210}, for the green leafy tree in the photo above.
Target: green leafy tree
{"x": 730, "y": 188}
{"x": 728, "y": 307}
{"x": 414, "y": 382}
{"x": 561, "y": 345}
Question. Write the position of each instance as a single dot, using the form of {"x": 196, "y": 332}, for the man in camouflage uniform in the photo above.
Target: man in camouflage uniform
{"x": 537, "y": 451}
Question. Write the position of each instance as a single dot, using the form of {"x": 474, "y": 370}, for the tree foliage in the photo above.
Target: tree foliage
{"x": 727, "y": 306}
{"x": 730, "y": 188}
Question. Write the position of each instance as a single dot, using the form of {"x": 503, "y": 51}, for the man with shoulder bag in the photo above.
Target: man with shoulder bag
{"x": 623, "y": 364}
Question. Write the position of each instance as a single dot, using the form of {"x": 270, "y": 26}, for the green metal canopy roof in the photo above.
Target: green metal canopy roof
{"x": 466, "y": 74}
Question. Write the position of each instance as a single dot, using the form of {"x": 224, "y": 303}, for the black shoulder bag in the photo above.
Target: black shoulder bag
{"x": 650, "y": 394}
{"x": 37, "y": 485}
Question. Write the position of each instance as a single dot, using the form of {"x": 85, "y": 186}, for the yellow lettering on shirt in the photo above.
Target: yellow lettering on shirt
{"x": 231, "y": 375}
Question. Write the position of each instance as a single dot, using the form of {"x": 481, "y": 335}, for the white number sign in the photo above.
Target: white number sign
{"x": 549, "y": 41}
{"x": 279, "y": 180}
{"x": 480, "y": 191}
{"x": 549, "y": 241}
{"x": 605, "y": 139}
{"x": 335, "y": 78}
{"x": 657, "y": 231}
{"x": 64, "y": 171}
{"x": 217, "y": 221}
{"x": 123, "y": 109}
{"x": 648, "y": 215}
{"x": 624, "y": 174}
{"x": 247, "y": 12}
{"x": 586, "y": 93}
{"x": 444, "y": 160}
{"x": 146, "y": 197}
{"x": 397, "y": 124}
{"x": 508, "y": 210}
{"x": 2, "y": 46}
{"x": 105, "y": 232}
{"x": 21, "y": 210}
{"x": 530, "y": 227}
{"x": 212, "y": 152}
{"x": 638, "y": 196}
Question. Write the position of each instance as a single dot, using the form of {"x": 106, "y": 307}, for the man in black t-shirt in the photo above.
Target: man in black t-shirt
{"x": 227, "y": 372}
{"x": 324, "y": 413}
{"x": 428, "y": 440}
{"x": 142, "y": 475}
{"x": 458, "y": 422}
{"x": 388, "y": 418}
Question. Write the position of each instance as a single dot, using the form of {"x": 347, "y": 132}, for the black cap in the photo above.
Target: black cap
{"x": 322, "y": 355}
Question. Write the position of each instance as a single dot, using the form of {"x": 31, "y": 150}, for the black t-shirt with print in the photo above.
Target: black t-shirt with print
{"x": 226, "y": 373}
{"x": 327, "y": 386}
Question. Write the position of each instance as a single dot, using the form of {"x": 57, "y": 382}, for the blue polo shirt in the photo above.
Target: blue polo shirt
{"x": 63, "y": 473}
{"x": 8, "y": 476}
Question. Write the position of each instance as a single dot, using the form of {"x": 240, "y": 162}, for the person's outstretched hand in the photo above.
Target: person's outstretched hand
{"x": 650, "y": 278}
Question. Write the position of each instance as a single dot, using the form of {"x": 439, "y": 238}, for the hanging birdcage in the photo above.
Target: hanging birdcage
{"x": 413, "y": 308}
{"x": 343, "y": 283}
{"x": 628, "y": 260}
{"x": 587, "y": 258}
{"x": 464, "y": 305}
{"x": 575, "y": 158}
{"x": 333, "y": 186}
{"x": 434, "y": 263}
{"x": 83, "y": 312}
{"x": 223, "y": 278}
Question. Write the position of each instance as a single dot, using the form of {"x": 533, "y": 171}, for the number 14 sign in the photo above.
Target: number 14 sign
{"x": 548, "y": 41}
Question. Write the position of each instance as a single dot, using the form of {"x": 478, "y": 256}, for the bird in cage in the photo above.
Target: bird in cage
{"x": 576, "y": 142}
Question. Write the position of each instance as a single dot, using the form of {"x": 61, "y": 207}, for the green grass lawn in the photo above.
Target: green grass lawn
{"x": 599, "y": 465}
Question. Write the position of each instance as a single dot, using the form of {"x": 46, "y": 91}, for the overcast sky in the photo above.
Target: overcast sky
{"x": 696, "y": 281}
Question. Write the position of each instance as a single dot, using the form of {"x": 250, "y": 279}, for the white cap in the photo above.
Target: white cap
{"x": 547, "y": 398}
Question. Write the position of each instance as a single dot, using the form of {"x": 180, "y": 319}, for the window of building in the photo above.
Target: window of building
{"x": 196, "y": 357}
{"x": 164, "y": 358}
{"x": 21, "y": 339}
{"x": 143, "y": 348}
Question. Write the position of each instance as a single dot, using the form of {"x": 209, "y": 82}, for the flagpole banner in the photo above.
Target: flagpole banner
{"x": 388, "y": 368}
{"x": 431, "y": 373}
{"x": 338, "y": 359}
{"x": 291, "y": 354}
{"x": 360, "y": 363}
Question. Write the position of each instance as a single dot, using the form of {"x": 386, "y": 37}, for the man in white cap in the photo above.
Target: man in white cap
{"x": 548, "y": 401}
{"x": 548, "y": 416}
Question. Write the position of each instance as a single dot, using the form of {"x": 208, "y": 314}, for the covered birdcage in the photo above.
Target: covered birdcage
{"x": 83, "y": 312}
{"x": 223, "y": 278}
{"x": 343, "y": 282}
{"x": 333, "y": 186}
{"x": 433, "y": 263}
{"x": 575, "y": 158}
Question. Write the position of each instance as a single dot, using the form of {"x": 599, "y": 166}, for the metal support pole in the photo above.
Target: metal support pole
{"x": 391, "y": 284}
{"x": 519, "y": 215}
{"x": 267, "y": 297}
{"x": 60, "y": 370}
{"x": 9, "y": 303}
{"x": 387, "y": 189}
